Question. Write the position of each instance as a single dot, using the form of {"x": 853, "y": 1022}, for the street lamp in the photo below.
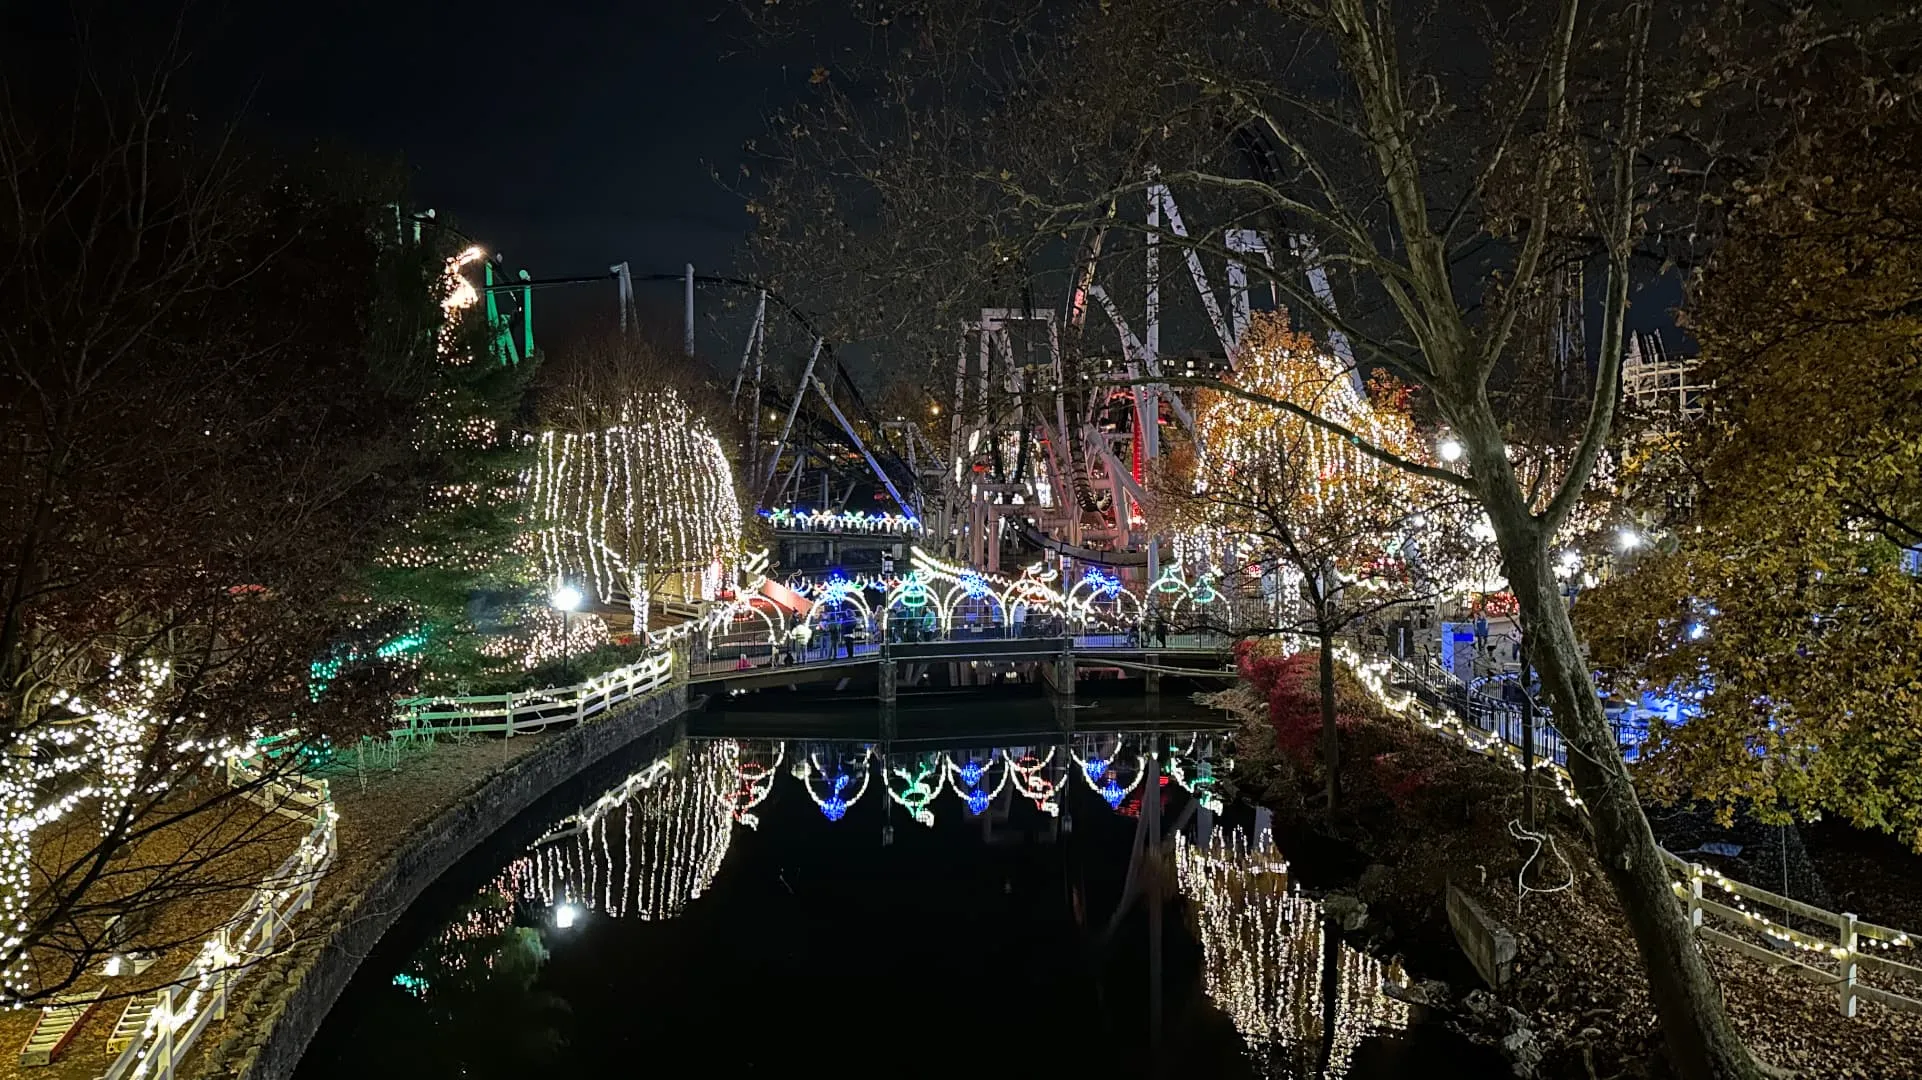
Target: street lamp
{"x": 566, "y": 599}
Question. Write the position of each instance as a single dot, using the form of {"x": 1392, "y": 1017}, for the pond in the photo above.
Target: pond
{"x": 928, "y": 907}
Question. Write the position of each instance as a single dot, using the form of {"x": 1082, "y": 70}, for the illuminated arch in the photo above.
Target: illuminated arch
{"x": 971, "y": 591}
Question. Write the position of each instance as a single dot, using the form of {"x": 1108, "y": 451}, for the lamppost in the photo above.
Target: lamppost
{"x": 566, "y": 599}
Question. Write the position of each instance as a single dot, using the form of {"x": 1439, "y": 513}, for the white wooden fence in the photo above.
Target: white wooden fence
{"x": 178, "y": 1012}
{"x": 1854, "y": 950}
{"x": 533, "y": 710}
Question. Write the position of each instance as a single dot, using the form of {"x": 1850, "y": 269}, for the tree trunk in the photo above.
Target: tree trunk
{"x": 1700, "y": 1042}
{"x": 1330, "y": 735}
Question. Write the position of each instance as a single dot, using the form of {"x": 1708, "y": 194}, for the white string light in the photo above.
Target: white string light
{"x": 1263, "y": 951}
{"x": 651, "y": 497}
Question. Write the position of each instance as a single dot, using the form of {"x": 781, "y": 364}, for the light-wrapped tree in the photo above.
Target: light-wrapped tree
{"x": 632, "y": 489}
{"x": 1338, "y": 536}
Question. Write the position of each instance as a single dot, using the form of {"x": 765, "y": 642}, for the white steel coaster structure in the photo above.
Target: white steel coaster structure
{"x": 1082, "y": 484}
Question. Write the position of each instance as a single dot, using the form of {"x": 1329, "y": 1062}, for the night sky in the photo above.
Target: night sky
{"x": 567, "y": 136}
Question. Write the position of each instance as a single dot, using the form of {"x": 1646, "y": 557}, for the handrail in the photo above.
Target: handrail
{"x": 532, "y": 710}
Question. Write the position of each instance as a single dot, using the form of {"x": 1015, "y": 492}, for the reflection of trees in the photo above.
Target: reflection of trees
{"x": 647, "y": 852}
{"x": 754, "y": 765}
{"x": 475, "y": 985}
{"x": 1303, "y": 1000}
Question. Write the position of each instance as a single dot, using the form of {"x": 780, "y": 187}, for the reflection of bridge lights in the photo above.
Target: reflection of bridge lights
{"x": 834, "y": 805}
{"x": 1034, "y": 784}
{"x": 966, "y": 779}
{"x": 1203, "y": 784}
{"x": 753, "y": 782}
{"x": 918, "y": 792}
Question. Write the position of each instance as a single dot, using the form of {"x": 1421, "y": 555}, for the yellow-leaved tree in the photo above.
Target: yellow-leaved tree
{"x": 1784, "y": 616}
{"x": 1337, "y": 535}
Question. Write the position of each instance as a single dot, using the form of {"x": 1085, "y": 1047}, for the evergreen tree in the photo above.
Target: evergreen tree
{"x": 458, "y": 567}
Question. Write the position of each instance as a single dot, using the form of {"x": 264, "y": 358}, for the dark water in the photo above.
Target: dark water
{"x": 831, "y": 906}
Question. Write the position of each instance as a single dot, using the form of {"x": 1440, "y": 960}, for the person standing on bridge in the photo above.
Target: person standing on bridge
{"x": 1161, "y": 631}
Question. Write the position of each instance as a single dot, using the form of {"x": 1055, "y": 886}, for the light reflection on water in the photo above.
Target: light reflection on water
{"x": 1301, "y": 998}
{"x": 652, "y": 847}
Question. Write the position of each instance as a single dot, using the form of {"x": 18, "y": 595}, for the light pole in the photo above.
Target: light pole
{"x": 566, "y": 599}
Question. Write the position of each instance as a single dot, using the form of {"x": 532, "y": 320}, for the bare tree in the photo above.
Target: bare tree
{"x": 209, "y": 369}
{"x": 1450, "y": 170}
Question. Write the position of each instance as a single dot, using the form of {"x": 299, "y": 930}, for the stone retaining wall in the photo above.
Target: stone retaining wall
{"x": 284, "y": 1000}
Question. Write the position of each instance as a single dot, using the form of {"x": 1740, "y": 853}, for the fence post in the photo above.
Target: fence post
{"x": 163, "y": 1050}
{"x": 510, "y": 715}
{"x": 217, "y": 1003}
{"x": 1694, "y": 898}
{"x": 1847, "y": 982}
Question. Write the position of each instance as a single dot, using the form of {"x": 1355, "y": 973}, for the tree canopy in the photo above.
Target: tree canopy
{"x": 1783, "y": 612}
